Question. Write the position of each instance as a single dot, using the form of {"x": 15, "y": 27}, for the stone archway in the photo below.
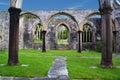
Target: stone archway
{"x": 93, "y": 26}
{"x": 71, "y": 25}
{"x": 28, "y": 26}
{"x": 86, "y": 19}
{"x": 61, "y": 13}
{"x": 66, "y": 44}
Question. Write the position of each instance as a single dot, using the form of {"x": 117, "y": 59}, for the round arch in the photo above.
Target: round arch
{"x": 118, "y": 2}
{"x": 40, "y": 22}
{"x": 31, "y": 14}
{"x": 86, "y": 18}
{"x": 60, "y": 13}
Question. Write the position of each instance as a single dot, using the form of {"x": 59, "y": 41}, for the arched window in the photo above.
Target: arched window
{"x": 62, "y": 34}
{"x": 38, "y": 34}
{"x": 87, "y": 33}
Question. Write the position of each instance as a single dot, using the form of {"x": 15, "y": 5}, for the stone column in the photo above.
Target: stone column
{"x": 43, "y": 46}
{"x": 115, "y": 41}
{"x": 94, "y": 40}
{"x": 13, "y": 36}
{"x": 79, "y": 42}
{"x": 106, "y": 26}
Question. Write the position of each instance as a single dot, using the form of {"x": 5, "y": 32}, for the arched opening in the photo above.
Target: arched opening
{"x": 61, "y": 28}
{"x": 38, "y": 33}
{"x": 87, "y": 34}
{"x": 31, "y": 30}
{"x": 91, "y": 35}
{"x": 62, "y": 15}
{"x": 62, "y": 34}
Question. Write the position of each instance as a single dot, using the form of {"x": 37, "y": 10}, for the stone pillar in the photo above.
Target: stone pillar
{"x": 106, "y": 26}
{"x": 79, "y": 41}
{"x": 43, "y": 46}
{"x": 13, "y": 36}
{"x": 94, "y": 40}
{"x": 115, "y": 41}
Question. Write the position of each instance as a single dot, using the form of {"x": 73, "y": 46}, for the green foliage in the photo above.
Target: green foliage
{"x": 63, "y": 35}
{"x": 37, "y": 41}
{"x": 29, "y": 16}
{"x": 62, "y": 41}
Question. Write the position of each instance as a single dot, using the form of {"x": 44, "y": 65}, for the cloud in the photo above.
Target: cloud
{"x": 75, "y": 7}
{"x": 80, "y": 5}
{"x": 3, "y": 4}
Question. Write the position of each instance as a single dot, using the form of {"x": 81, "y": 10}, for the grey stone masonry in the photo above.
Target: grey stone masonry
{"x": 59, "y": 69}
{"x": 26, "y": 78}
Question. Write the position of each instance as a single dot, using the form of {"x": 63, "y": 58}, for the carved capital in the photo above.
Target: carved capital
{"x": 106, "y": 11}
{"x": 13, "y": 10}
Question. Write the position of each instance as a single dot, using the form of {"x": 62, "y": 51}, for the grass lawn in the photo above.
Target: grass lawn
{"x": 82, "y": 69}
{"x": 38, "y": 66}
{"x": 78, "y": 64}
{"x": 37, "y": 41}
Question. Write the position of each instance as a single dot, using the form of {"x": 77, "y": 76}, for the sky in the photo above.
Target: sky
{"x": 53, "y": 4}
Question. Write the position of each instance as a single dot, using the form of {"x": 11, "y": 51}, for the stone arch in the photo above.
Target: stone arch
{"x": 91, "y": 25}
{"x": 68, "y": 26}
{"x": 118, "y": 2}
{"x": 33, "y": 15}
{"x": 28, "y": 31}
{"x": 60, "y": 13}
{"x": 40, "y": 21}
{"x": 93, "y": 46}
{"x": 86, "y": 18}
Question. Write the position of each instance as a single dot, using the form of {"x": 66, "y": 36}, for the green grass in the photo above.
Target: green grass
{"x": 38, "y": 66}
{"x": 62, "y": 41}
{"x": 68, "y": 53}
{"x": 82, "y": 69}
{"x": 78, "y": 64}
{"x": 37, "y": 41}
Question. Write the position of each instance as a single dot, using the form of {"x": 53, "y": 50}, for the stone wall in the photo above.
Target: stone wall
{"x": 116, "y": 20}
{"x": 51, "y": 33}
{"x": 4, "y": 30}
{"x": 46, "y": 19}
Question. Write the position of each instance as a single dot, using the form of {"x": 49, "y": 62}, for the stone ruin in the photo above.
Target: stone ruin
{"x": 77, "y": 19}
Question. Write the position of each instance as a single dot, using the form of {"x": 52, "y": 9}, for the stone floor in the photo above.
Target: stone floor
{"x": 25, "y": 78}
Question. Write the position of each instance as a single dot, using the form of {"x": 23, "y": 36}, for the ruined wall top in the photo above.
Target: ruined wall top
{"x": 76, "y": 15}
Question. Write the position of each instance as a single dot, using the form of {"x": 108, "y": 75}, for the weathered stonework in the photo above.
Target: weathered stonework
{"x": 4, "y": 30}
{"x": 45, "y": 17}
